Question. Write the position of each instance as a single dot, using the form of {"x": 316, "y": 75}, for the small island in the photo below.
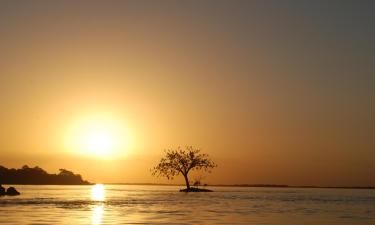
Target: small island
{"x": 38, "y": 176}
{"x": 182, "y": 161}
{"x": 195, "y": 189}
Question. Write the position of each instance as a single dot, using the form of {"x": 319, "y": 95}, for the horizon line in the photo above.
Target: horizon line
{"x": 244, "y": 185}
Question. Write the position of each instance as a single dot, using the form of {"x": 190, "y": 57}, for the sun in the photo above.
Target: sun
{"x": 100, "y": 142}
{"x": 99, "y": 136}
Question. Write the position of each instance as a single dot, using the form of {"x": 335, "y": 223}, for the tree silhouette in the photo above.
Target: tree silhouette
{"x": 36, "y": 175}
{"x": 181, "y": 161}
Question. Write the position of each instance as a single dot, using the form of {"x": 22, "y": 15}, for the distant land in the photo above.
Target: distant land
{"x": 251, "y": 185}
{"x": 36, "y": 175}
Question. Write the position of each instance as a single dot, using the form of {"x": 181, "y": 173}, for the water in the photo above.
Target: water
{"x": 135, "y": 204}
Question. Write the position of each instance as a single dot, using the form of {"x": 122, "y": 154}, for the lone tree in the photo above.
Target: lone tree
{"x": 179, "y": 161}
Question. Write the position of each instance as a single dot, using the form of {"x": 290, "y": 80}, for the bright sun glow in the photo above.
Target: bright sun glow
{"x": 98, "y": 192}
{"x": 99, "y": 142}
{"x": 99, "y": 136}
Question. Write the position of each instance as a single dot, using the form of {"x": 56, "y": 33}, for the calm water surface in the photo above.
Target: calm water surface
{"x": 133, "y": 204}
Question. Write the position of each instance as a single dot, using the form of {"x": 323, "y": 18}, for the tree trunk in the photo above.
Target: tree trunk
{"x": 187, "y": 181}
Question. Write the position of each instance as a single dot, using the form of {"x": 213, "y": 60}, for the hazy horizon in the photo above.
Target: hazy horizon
{"x": 276, "y": 92}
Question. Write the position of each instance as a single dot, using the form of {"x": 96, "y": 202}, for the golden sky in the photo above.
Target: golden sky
{"x": 276, "y": 92}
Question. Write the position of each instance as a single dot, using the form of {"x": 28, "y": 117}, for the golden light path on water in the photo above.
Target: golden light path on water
{"x": 97, "y": 194}
{"x": 97, "y": 215}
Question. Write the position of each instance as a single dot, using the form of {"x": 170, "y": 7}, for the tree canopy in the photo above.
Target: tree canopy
{"x": 182, "y": 161}
{"x": 36, "y": 175}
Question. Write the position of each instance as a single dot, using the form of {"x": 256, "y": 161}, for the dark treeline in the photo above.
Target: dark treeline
{"x": 36, "y": 175}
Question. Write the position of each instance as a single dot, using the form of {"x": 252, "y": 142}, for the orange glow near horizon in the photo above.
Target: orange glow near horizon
{"x": 270, "y": 90}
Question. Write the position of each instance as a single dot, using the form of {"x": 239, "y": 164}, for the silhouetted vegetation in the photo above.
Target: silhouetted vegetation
{"x": 198, "y": 181}
{"x": 182, "y": 162}
{"x": 36, "y": 175}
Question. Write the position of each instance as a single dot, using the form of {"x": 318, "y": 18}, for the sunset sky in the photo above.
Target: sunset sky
{"x": 277, "y": 92}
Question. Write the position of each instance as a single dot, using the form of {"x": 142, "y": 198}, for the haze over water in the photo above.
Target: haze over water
{"x": 135, "y": 204}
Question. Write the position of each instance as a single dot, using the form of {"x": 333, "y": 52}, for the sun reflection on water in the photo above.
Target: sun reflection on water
{"x": 97, "y": 215}
{"x": 98, "y": 192}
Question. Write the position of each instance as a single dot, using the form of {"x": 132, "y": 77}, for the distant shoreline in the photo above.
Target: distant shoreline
{"x": 38, "y": 176}
{"x": 251, "y": 185}
{"x": 214, "y": 185}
